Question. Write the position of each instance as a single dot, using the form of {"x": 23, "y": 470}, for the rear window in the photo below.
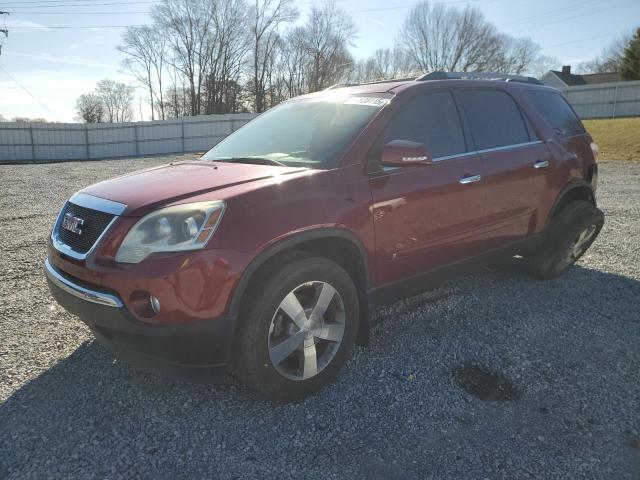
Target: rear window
{"x": 557, "y": 111}
{"x": 494, "y": 118}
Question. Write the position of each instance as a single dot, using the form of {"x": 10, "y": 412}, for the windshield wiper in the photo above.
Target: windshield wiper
{"x": 251, "y": 160}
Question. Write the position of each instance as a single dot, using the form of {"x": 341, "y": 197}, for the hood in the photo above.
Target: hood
{"x": 176, "y": 182}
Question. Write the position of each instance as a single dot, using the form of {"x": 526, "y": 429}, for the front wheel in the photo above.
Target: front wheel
{"x": 572, "y": 231}
{"x": 298, "y": 329}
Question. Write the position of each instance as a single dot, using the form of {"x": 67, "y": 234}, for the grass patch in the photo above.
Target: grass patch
{"x": 618, "y": 139}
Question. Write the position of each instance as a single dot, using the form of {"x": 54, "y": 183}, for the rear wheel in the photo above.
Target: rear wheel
{"x": 571, "y": 233}
{"x": 298, "y": 329}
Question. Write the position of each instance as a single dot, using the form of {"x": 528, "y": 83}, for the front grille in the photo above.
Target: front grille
{"x": 95, "y": 223}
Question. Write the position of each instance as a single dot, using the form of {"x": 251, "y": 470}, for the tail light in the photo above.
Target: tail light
{"x": 595, "y": 150}
{"x": 594, "y": 168}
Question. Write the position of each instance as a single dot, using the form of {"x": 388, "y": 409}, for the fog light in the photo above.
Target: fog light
{"x": 155, "y": 304}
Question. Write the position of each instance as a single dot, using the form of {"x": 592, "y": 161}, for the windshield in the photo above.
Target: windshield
{"x": 307, "y": 133}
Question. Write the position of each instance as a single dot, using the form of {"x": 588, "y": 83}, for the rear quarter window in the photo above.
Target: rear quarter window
{"x": 555, "y": 109}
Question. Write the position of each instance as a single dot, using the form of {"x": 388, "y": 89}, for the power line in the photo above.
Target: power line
{"x": 63, "y": 2}
{"x": 563, "y": 19}
{"x": 29, "y": 93}
{"x": 552, "y": 13}
{"x": 582, "y": 40}
{"x": 67, "y": 27}
{"x": 126, "y": 12}
{"x": 81, "y": 13}
{"x": 364, "y": 10}
{"x": 96, "y": 4}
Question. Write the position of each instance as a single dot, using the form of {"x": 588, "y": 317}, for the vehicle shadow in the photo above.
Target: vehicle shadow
{"x": 90, "y": 416}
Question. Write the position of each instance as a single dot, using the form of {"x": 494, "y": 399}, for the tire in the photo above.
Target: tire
{"x": 272, "y": 316}
{"x": 570, "y": 234}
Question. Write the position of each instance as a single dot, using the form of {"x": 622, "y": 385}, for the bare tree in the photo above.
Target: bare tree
{"x": 117, "y": 98}
{"x": 384, "y": 64}
{"x": 542, "y": 64}
{"x": 440, "y": 37}
{"x": 328, "y": 33}
{"x": 29, "y": 120}
{"x": 517, "y": 55}
{"x": 145, "y": 48}
{"x": 610, "y": 60}
{"x": 266, "y": 16}
{"x": 226, "y": 52}
{"x": 187, "y": 24}
{"x": 292, "y": 63}
{"x": 90, "y": 108}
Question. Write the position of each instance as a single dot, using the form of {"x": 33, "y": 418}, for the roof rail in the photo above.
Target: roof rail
{"x": 478, "y": 76}
{"x": 374, "y": 82}
{"x": 340, "y": 85}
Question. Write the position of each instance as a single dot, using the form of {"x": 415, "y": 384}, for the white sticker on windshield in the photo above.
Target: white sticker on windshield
{"x": 367, "y": 101}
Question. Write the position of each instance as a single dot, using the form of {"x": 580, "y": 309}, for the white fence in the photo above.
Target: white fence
{"x": 607, "y": 100}
{"x": 41, "y": 142}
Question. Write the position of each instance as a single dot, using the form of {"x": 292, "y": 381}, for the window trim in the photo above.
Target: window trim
{"x": 467, "y": 123}
{"x": 468, "y": 142}
{"x": 477, "y": 153}
{"x": 489, "y": 150}
{"x": 564, "y": 99}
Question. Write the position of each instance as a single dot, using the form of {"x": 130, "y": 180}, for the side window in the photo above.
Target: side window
{"x": 557, "y": 111}
{"x": 532, "y": 133}
{"x": 431, "y": 119}
{"x": 494, "y": 118}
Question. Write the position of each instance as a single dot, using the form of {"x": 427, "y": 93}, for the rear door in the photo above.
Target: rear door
{"x": 568, "y": 142}
{"x": 424, "y": 217}
{"x": 567, "y": 128}
{"x": 516, "y": 164}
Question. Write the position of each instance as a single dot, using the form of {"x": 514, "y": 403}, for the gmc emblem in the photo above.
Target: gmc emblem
{"x": 73, "y": 224}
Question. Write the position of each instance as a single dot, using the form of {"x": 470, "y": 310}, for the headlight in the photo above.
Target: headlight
{"x": 171, "y": 229}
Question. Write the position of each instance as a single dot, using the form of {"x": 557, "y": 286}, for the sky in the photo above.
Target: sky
{"x": 56, "y": 65}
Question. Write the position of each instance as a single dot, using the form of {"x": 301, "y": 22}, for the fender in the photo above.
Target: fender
{"x": 289, "y": 243}
{"x": 567, "y": 190}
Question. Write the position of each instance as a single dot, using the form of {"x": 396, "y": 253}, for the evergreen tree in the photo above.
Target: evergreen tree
{"x": 630, "y": 69}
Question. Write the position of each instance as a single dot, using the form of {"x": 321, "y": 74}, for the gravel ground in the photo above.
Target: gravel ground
{"x": 569, "y": 347}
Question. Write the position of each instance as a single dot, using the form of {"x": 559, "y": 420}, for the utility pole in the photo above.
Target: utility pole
{"x": 4, "y": 30}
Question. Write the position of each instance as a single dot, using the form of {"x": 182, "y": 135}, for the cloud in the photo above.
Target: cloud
{"x": 83, "y": 62}
{"x": 73, "y": 46}
{"x": 18, "y": 24}
{"x": 378, "y": 22}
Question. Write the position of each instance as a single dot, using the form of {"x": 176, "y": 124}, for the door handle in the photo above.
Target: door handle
{"x": 541, "y": 164}
{"x": 470, "y": 179}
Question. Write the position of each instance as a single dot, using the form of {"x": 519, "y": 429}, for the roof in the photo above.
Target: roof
{"x": 373, "y": 87}
{"x": 397, "y": 85}
{"x": 572, "y": 80}
{"x": 607, "y": 77}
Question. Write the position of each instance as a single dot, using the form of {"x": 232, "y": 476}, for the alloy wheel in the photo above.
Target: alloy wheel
{"x": 580, "y": 244}
{"x": 306, "y": 330}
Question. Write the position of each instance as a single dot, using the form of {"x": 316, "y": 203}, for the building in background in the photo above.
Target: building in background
{"x": 564, "y": 78}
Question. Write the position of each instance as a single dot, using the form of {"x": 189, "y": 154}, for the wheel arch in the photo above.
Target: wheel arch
{"x": 573, "y": 191}
{"x": 338, "y": 244}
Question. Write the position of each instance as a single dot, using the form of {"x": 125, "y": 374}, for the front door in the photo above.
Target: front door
{"x": 430, "y": 215}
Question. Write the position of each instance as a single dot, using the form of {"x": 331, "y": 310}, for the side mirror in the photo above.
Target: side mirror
{"x": 403, "y": 153}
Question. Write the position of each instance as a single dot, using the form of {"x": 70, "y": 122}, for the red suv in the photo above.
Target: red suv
{"x": 269, "y": 253}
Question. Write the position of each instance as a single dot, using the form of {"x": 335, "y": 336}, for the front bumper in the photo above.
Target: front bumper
{"x": 202, "y": 344}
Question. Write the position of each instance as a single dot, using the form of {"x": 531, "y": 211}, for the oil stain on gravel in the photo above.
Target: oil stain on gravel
{"x": 485, "y": 384}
